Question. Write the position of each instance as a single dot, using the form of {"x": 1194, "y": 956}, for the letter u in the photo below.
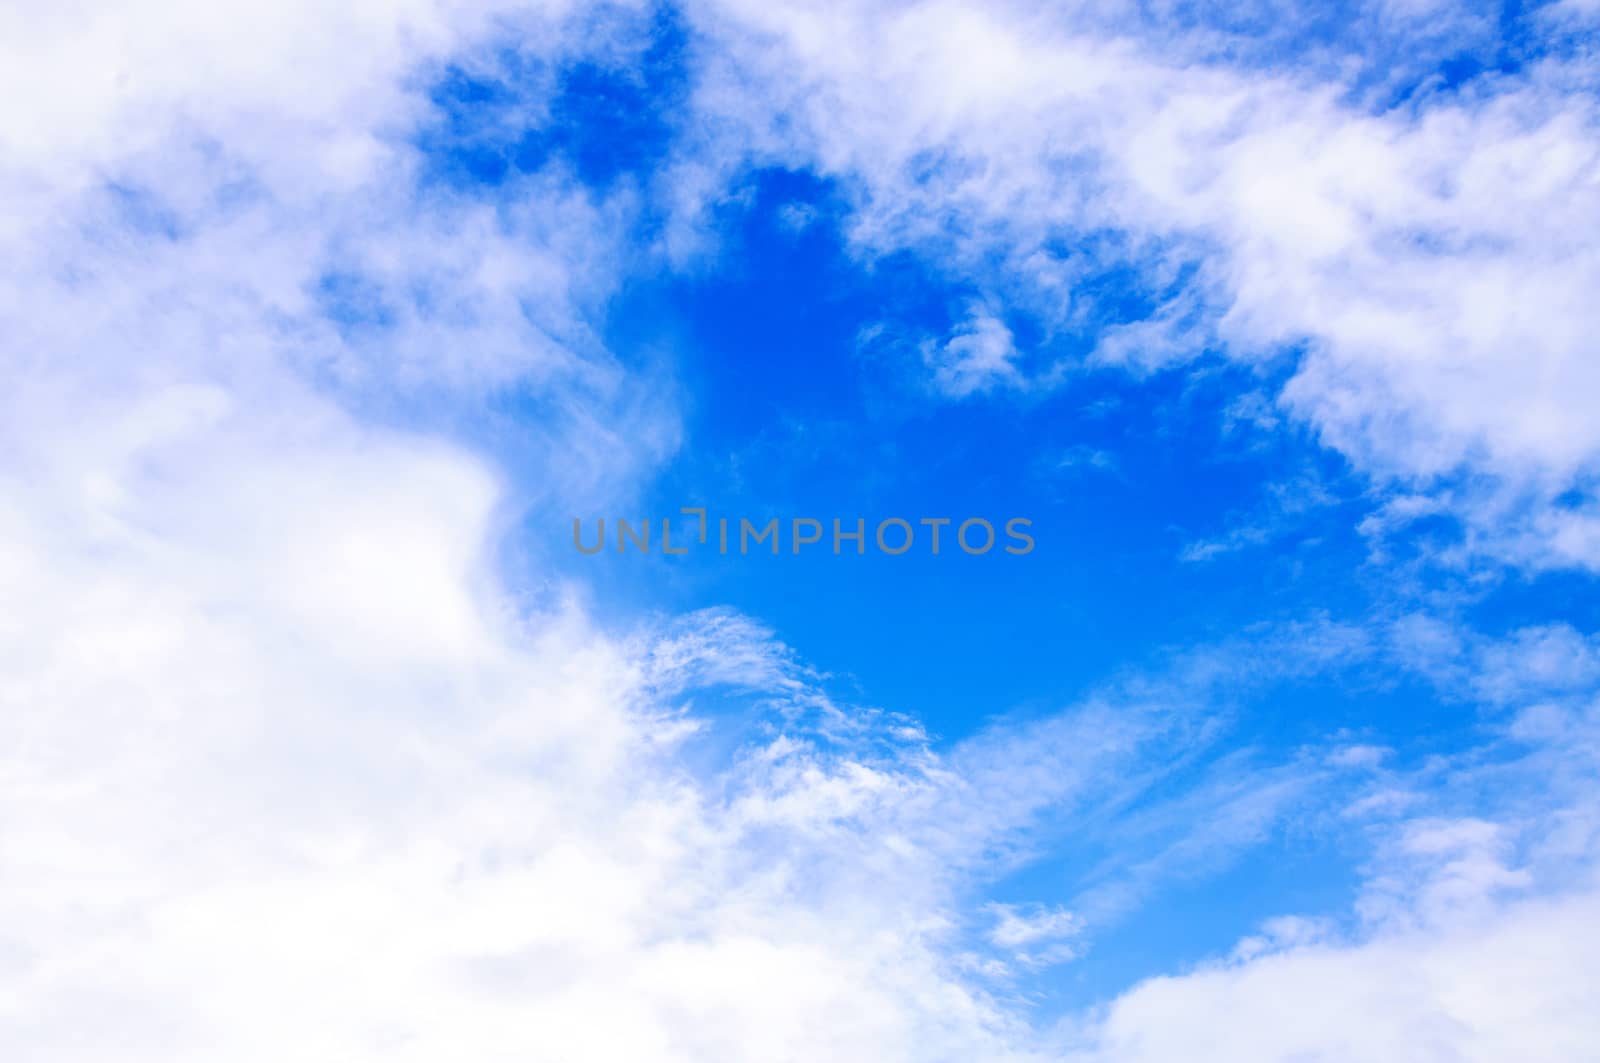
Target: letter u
{"x": 577, "y": 539}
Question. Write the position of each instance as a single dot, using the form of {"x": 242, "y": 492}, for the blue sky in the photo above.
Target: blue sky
{"x": 1275, "y": 322}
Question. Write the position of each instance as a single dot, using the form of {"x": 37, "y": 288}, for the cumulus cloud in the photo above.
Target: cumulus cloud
{"x": 1511, "y": 988}
{"x": 273, "y": 749}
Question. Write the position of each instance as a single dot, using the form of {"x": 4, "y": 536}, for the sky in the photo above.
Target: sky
{"x": 322, "y": 327}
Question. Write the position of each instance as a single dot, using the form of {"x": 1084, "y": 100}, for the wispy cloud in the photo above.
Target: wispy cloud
{"x": 1418, "y": 262}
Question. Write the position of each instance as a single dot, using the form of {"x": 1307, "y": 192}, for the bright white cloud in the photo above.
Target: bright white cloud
{"x": 274, "y": 749}
{"x": 1514, "y": 987}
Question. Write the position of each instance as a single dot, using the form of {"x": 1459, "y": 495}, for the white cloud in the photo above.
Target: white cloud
{"x": 1430, "y": 261}
{"x": 1034, "y": 936}
{"x": 274, "y": 749}
{"x": 239, "y": 206}
{"x": 1514, "y": 987}
{"x": 274, "y": 746}
{"x": 1015, "y": 927}
{"x": 977, "y": 357}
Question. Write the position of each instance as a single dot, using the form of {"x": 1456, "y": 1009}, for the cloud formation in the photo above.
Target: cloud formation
{"x": 288, "y": 771}
{"x": 1422, "y": 265}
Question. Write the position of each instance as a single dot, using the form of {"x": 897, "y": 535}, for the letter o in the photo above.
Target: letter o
{"x": 961, "y": 535}
{"x": 909, "y": 535}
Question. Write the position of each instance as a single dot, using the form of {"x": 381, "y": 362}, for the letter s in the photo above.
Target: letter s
{"x": 1019, "y": 536}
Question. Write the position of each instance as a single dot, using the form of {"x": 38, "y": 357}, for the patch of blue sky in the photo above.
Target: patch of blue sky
{"x": 1198, "y": 914}
{"x": 791, "y": 416}
{"x": 603, "y": 120}
{"x": 1478, "y": 57}
{"x": 1518, "y": 599}
{"x": 353, "y": 303}
{"x": 140, "y": 210}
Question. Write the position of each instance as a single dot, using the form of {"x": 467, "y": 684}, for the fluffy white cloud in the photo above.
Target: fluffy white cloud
{"x": 283, "y": 775}
{"x": 1514, "y": 987}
